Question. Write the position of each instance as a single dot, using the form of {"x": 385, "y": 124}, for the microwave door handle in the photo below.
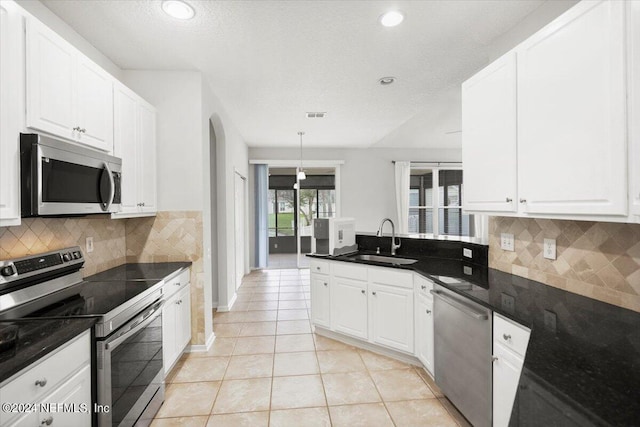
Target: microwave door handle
{"x": 136, "y": 327}
{"x": 112, "y": 190}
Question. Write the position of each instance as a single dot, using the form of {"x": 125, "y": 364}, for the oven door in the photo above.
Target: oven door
{"x": 130, "y": 371}
{"x": 61, "y": 179}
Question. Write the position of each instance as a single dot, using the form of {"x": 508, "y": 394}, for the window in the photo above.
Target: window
{"x": 440, "y": 210}
{"x": 281, "y": 213}
{"x": 315, "y": 203}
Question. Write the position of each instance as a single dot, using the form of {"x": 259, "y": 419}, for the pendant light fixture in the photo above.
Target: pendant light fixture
{"x": 301, "y": 174}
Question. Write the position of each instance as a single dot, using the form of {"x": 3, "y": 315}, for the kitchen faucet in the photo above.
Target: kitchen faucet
{"x": 393, "y": 235}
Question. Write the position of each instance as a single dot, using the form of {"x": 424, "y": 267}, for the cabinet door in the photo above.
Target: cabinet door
{"x": 76, "y": 391}
{"x": 392, "y": 316}
{"x": 320, "y": 300}
{"x": 424, "y": 331}
{"x": 50, "y": 69}
{"x": 634, "y": 106}
{"x": 94, "y": 105}
{"x": 489, "y": 138}
{"x": 169, "y": 338}
{"x": 125, "y": 107}
{"x": 571, "y": 110}
{"x": 11, "y": 105}
{"x": 506, "y": 375}
{"x": 183, "y": 320}
{"x": 147, "y": 158}
{"x": 349, "y": 306}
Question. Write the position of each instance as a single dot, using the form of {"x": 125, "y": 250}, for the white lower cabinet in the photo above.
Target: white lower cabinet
{"x": 510, "y": 342}
{"x": 176, "y": 321}
{"x": 349, "y": 306}
{"x": 320, "y": 300}
{"x": 424, "y": 331}
{"x": 391, "y": 310}
{"x": 61, "y": 378}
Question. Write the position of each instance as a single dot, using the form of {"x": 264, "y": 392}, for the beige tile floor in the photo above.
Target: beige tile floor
{"x": 267, "y": 368}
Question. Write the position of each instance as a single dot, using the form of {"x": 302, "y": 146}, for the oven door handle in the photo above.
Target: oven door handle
{"x": 135, "y": 326}
{"x": 112, "y": 188}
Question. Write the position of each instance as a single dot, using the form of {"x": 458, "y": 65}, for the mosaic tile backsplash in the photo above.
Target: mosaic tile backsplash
{"x": 37, "y": 235}
{"x": 600, "y": 260}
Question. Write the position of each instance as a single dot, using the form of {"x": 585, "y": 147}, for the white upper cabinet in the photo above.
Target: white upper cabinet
{"x": 489, "y": 154}
{"x": 634, "y": 106}
{"x": 135, "y": 143}
{"x": 11, "y": 108}
{"x": 571, "y": 114}
{"x": 67, "y": 94}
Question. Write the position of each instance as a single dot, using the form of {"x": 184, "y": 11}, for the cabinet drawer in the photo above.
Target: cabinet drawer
{"x": 173, "y": 285}
{"x": 349, "y": 271}
{"x": 422, "y": 285}
{"x": 53, "y": 369}
{"x": 320, "y": 267}
{"x": 511, "y": 335}
{"x": 389, "y": 276}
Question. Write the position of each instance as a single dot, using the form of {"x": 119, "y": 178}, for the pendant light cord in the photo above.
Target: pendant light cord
{"x": 300, "y": 133}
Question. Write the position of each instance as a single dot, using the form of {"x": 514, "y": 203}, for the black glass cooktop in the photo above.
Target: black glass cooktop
{"x": 139, "y": 271}
{"x": 83, "y": 299}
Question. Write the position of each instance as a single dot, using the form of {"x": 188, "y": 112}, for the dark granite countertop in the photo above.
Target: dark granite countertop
{"x": 581, "y": 369}
{"x": 140, "y": 271}
{"x": 35, "y": 338}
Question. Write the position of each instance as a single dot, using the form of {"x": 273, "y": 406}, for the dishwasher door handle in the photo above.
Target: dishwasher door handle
{"x": 469, "y": 311}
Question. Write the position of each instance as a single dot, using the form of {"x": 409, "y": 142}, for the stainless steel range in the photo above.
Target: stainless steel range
{"x": 128, "y": 334}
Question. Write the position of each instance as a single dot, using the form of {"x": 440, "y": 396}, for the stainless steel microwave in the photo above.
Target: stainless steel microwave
{"x": 59, "y": 178}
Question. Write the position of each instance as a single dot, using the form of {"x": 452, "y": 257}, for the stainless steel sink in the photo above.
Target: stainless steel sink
{"x": 384, "y": 259}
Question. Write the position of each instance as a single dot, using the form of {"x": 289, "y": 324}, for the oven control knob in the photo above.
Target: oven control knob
{"x": 7, "y": 271}
{"x": 77, "y": 255}
{"x": 66, "y": 257}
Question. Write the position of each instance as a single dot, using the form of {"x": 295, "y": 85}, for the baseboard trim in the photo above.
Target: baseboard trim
{"x": 197, "y": 348}
{"x": 228, "y": 307}
{"x": 412, "y": 360}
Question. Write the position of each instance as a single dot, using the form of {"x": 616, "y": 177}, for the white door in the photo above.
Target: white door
{"x": 51, "y": 71}
{"x": 239, "y": 204}
{"x": 392, "y": 316}
{"x": 489, "y": 156}
{"x": 94, "y": 105}
{"x": 147, "y": 171}
{"x": 125, "y": 146}
{"x": 349, "y": 306}
{"x": 571, "y": 110}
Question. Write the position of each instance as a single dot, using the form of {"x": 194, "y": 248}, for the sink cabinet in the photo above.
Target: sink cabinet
{"x": 349, "y": 306}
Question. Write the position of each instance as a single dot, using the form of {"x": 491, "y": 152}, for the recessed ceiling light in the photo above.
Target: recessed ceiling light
{"x": 391, "y": 18}
{"x": 178, "y": 9}
{"x": 386, "y": 80}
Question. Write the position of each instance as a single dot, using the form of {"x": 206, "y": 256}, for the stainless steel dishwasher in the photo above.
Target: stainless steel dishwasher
{"x": 462, "y": 345}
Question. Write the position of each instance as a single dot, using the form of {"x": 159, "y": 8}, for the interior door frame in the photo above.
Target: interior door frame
{"x": 336, "y": 164}
{"x": 243, "y": 227}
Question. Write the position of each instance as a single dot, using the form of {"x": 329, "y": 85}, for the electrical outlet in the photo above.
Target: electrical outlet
{"x": 89, "y": 244}
{"x": 550, "y": 248}
{"x": 467, "y": 253}
{"x": 508, "y": 303}
{"x": 507, "y": 242}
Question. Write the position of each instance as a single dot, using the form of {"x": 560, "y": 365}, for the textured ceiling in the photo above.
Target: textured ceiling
{"x": 271, "y": 61}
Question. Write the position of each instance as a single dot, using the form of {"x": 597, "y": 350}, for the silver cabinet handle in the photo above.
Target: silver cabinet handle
{"x": 317, "y": 268}
{"x": 47, "y": 421}
{"x": 509, "y": 200}
{"x": 506, "y": 337}
{"x": 83, "y": 130}
{"x": 177, "y": 283}
{"x": 428, "y": 311}
{"x": 363, "y": 292}
{"x": 42, "y": 382}
{"x": 523, "y": 200}
{"x": 373, "y": 293}
{"x": 423, "y": 287}
{"x": 494, "y": 358}
{"x": 76, "y": 129}
{"x": 325, "y": 283}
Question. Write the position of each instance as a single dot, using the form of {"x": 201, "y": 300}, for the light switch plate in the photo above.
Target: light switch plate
{"x": 549, "y": 248}
{"x": 507, "y": 242}
{"x": 467, "y": 253}
{"x": 89, "y": 244}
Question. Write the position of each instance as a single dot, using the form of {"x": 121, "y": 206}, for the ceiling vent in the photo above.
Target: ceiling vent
{"x": 316, "y": 115}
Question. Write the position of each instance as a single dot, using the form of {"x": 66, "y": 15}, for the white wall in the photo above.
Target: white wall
{"x": 366, "y": 177}
{"x": 177, "y": 97}
{"x": 50, "y": 19}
